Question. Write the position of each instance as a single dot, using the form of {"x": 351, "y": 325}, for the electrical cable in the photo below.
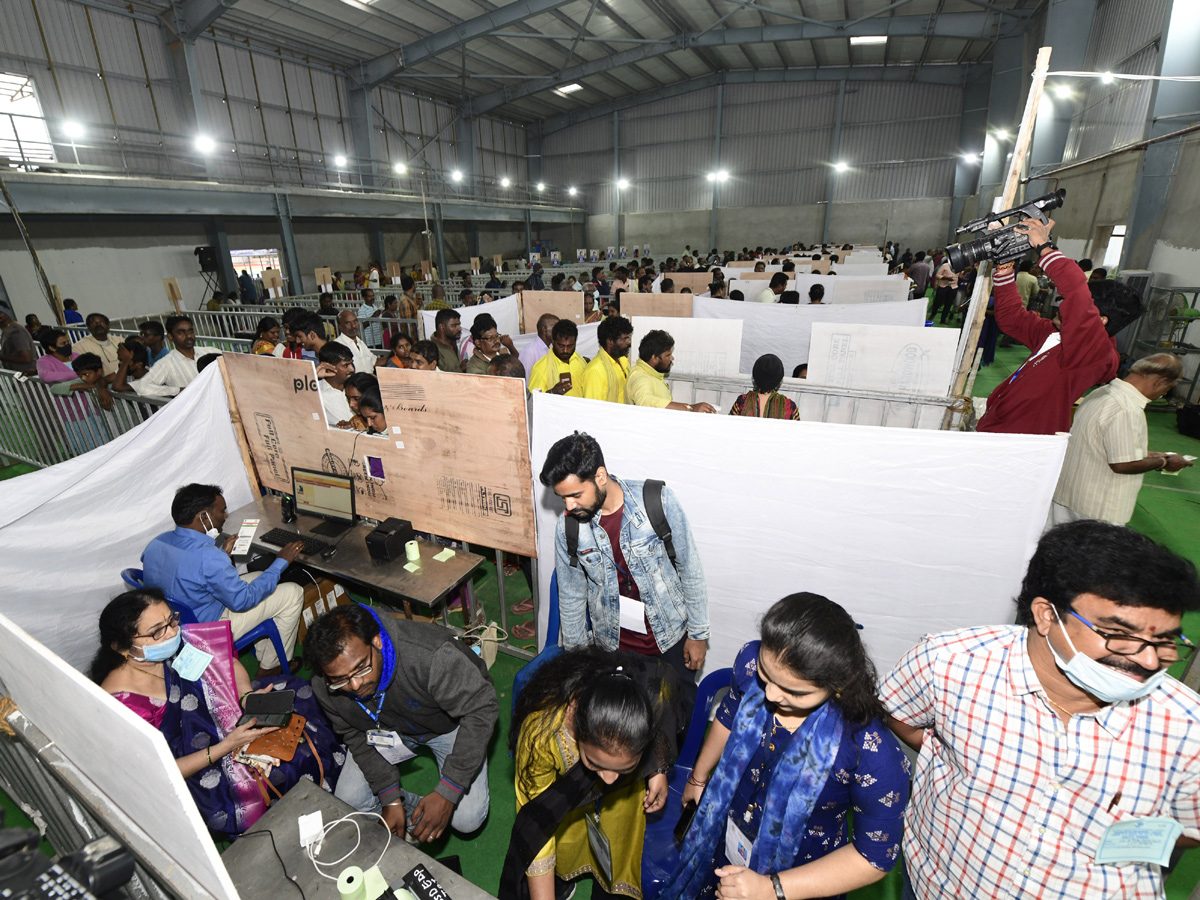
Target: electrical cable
{"x": 290, "y": 879}
{"x": 308, "y": 851}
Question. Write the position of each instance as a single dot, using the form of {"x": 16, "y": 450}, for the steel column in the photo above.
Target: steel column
{"x": 182, "y": 56}
{"x": 971, "y": 133}
{"x": 287, "y": 238}
{"x": 377, "y": 248}
{"x": 1006, "y": 99}
{"x": 4, "y": 294}
{"x": 439, "y": 239}
{"x": 831, "y": 190}
{"x": 1068, "y": 30}
{"x": 528, "y": 233}
{"x": 219, "y": 240}
{"x": 1171, "y": 104}
{"x": 720, "y": 126}
{"x": 616, "y": 178}
{"x": 362, "y": 132}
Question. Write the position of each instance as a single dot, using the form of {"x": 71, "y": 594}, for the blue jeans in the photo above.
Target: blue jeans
{"x": 472, "y": 809}
{"x": 906, "y": 892}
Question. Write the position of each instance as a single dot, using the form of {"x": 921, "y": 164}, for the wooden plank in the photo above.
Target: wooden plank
{"x": 675, "y": 306}
{"x": 324, "y": 278}
{"x": 173, "y": 293}
{"x": 564, "y": 304}
{"x": 697, "y": 281}
{"x": 447, "y": 469}
{"x": 239, "y": 430}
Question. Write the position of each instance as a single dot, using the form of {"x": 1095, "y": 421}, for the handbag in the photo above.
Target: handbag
{"x": 280, "y": 744}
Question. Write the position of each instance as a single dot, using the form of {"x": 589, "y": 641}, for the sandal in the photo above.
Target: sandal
{"x": 510, "y": 569}
{"x": 522, "y": 608}
{"x": 526, "y": 631}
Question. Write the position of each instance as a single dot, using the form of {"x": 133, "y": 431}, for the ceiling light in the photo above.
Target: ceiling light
{"x": 1001, "y": 134}
{"x": 711, "y": 176}
{"x": 972, "y": 157}
{"x": 1106, "y": 78}
{"x": 400, "y": 168}
{"x": 339, "y": 161}
{"x": 722, "y": 175}
{"x": 1062, "y": 91}
{"x": 840, "y": 166}
{"x": 622, "y": 183}
{"x": 569, "y": 88}
{"x": 504, "y": 182}
{"x": 456, "y": 176}
{"x": 205, "y": 144}
{"x": 541, "y": 185}
{"x": 72, "y": 129}
{"x": 868, "y": 39}
{"x": 572, "y": 191}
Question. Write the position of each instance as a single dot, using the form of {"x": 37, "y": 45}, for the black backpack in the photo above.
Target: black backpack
{"x": 652, "y": 501}
{"x": 1187, "y": 421}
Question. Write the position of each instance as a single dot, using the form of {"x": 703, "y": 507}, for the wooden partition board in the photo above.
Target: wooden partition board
{"x": 564, "y": 304}
{"x": 675, "y": 306}
{"x": 447, "y": 469}
{"x": 171, "y": 285}
{"x": 697, "y": 281}
{"x": 324, "y": 276}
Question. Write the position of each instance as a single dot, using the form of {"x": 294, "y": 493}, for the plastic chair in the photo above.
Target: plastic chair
{"x": 552, "y": 648}
{"x": 659, "y": 851}
{"x": 268, "y": 630}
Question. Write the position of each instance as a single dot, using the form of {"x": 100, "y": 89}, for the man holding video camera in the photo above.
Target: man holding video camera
{"x": 1070, "y": 354}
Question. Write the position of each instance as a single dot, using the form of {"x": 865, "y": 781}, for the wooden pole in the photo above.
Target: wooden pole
{"x": 983, "y": 284}
{"x": 235, "y": 417}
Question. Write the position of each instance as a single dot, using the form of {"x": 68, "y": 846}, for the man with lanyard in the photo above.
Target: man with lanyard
{"x": 391, "y": 686}
{"x": 1048, "y": 745}
{"x": 1073, "y": 353}
{"x": 604, "y": 377}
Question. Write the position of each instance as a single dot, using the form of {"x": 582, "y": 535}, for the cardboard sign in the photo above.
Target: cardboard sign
{"x": 426, "y": 269}
{"x": 476, "y": 266}
{"x": 173, "y": 292}
{"x": 666, "y": 305}
{"x": 498, "y": 261}
{"x": 466, "y": 476}
{"x": 394, "y": 270}
{"x": 324, "y": 278}
{"x": 564, "y": 304}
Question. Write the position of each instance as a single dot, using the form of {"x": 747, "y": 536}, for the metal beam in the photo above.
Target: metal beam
{"x": 378, "y": 70}
{"x": 362, "y": 132}
{"x": 972, "y": 26}
{"x": 953, "y": 73}
{"x": 218, "y": 239}
{"x": 971, "y": 132}
{"x": 1006, "y": 102}
{"x": 616, "y": 178}
{"x": 190, "y": 18}
{"x": 287, "y": 240}
{"x": 439, "y": 241}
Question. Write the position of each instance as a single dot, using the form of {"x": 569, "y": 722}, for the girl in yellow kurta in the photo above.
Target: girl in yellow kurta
{"x": 594, "y": 733}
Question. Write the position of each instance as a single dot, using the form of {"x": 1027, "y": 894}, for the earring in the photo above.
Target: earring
{"x": 837, "y": 695}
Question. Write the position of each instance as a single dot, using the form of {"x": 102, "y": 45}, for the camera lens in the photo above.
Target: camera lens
{"x": 962, "y": 256}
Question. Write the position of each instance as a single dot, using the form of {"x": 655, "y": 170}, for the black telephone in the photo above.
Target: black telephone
{"x": 272, "y": 709}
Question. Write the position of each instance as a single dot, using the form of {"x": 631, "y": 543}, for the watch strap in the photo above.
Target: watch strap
{"x": 775, "y": 883}
{"x": 1042, "y": 248}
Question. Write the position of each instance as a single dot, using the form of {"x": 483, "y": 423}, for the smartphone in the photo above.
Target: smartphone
{"x": 685, "y": 821}
{"x": 565, "y": 379}
{"x": 272, "y": 709}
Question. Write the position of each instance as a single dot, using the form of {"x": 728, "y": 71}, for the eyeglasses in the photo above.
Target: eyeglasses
{"x": 1129, "y": 645}
{"x": 357, "y": 675}
{"x": 160, "y": 631}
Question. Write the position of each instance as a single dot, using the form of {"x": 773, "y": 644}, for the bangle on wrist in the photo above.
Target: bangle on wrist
{"x": 775, "y": 883}
{"x": 692, "y": 780}
{"x": 208, "y": 753}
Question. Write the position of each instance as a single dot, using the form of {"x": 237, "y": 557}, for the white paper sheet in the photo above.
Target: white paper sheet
{"x": 895, "y": 358}
{"x": 702, "y": 346}
{"x": 911, "y": 531}
{"x": 506, "y": 311}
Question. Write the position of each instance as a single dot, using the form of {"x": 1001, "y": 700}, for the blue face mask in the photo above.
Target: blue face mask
{"x": 1101, "y": 681}
{"x": 163, "y": 651}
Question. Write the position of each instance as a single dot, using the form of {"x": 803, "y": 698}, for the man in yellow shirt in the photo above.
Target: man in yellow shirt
{"x": 561, "y": 370}
{"x": 604, "y": 377}
{"x": 646, "y": 385}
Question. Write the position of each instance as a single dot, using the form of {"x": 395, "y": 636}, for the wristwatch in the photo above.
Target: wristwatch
{"x": 778, "y": 887}
{"x": 1042, "y": 248}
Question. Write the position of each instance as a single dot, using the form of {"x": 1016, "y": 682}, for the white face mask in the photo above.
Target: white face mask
{"x": 212, "y": 531}
{"x": 1101, "y": 681}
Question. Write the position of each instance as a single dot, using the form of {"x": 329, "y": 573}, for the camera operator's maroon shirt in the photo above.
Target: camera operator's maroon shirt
{"x": 1038, "y": 397}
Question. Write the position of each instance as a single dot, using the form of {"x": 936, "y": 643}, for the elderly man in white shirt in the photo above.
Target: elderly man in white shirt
{"x": 364, "y": 359}
{"x": 1107, "y": 454}
{"x": 177, "y": 369}
{"x": 778, "y": 285}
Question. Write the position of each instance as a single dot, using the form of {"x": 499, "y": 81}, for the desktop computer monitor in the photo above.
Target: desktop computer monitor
{"x": 327, "y": 496}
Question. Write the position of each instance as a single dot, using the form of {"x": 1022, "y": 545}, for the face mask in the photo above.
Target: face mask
{"x": 1101, "y": 681}
{"x": 163, "y": 651}
{"x": 212, "y": 529}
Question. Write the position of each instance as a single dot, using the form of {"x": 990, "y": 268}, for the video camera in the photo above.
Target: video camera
{"x": 1004, "y": 244}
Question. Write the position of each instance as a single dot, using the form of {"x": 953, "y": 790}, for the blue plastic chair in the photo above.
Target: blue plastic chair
{"x": 264, "y": 630}
{"x": 659, "y": 852}
{"x": 551, "y": 650}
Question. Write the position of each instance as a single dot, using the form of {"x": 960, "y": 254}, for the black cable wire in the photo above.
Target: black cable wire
{"x": 288, "y": 878}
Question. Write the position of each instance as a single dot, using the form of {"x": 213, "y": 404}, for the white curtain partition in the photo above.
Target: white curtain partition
{"x": 786, "y": 330}
{"x": 838, "y": 289}
{"x": 68, "y": 530}
{"x": 911, "y": 531}
{"x": 506, "y": 312}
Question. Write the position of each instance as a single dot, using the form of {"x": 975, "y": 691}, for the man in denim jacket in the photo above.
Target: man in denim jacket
{"x": 624, "y": 580}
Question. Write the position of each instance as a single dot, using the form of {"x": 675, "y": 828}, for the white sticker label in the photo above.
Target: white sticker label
{"x": 399, "y": 445}
{"x": 633, "y": 615}
{"x": 316, "y": 415}
{"x": 395, "y": 429}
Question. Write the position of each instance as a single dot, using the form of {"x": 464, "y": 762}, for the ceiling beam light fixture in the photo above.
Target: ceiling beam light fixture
{"x": 339, "y": 161}
{"x": 571, "y": 88}
{"x": 73, "y": 129}
{"x": 541, "y": 185}
{"x": 456, "y": 176}
{"x": 863, "y": 39}
{"x": 205, "y": 144}
{"x": 840, "y": 166}
{"x": 572, "y": 191}
{"x": 1106, "y": 78}
{"x": 504, "y": 182}
{"x": 1062, "y": 91}
{"x": 622, "y": 183}
{"x": 400, "y": 168}
{"x": 1001, "y": 134}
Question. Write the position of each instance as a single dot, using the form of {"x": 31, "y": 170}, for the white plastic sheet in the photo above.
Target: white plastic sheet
{"x": 586, "y": 344}
{"x": 911, "y": 531}
{"x": 506, "y": 311}
{"x": 785, "y": 330}
{"x": 67, "y": 531}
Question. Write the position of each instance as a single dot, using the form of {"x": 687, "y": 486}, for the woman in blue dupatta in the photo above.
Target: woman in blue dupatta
{"x": 796, "y": 744}
{"x": 188, "y": 683}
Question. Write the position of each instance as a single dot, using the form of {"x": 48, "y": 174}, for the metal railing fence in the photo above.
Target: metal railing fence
{"x": 232, "y": 330}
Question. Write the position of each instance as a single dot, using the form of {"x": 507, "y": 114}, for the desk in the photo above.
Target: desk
{"x": 255, "y": 870}
{"x": 428, "y": 586}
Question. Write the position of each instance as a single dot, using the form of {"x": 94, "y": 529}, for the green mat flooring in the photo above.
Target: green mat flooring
{"x": 1166, "y": 511}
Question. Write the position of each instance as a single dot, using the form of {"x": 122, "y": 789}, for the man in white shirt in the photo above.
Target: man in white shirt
{"x": 335, "y": 367}
{"x": 98, "y": 342}
{"x": 177, "y": 369}
{"x": 1107, "y": 455}
{"x": 364, "y": 359}
{"x": 371, "y": 331}
{"x": 540, "y": 345}
{"x": 771, "y": 293}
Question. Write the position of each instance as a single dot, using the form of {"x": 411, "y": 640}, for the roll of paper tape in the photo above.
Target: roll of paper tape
{"x": 351, "y": 884}
{"x": 412, "y": 551}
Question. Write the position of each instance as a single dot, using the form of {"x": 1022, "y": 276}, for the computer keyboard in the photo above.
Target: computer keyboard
{"x": 281, "y": 536}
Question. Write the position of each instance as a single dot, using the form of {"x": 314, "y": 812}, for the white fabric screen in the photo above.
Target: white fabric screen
{"x": 505, "y": 311}
{"x": 912, "y": 531}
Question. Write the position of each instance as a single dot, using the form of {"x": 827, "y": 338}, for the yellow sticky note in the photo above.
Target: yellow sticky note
{"x": 444, "y": 555}
{"x": 374, "y": 883}
{"x": 412, "y": 567}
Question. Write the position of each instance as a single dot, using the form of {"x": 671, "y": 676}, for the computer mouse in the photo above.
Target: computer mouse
{"x": 328, "y": 552}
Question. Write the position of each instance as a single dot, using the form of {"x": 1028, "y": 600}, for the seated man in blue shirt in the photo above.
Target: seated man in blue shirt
{"x": 188, "y": 566}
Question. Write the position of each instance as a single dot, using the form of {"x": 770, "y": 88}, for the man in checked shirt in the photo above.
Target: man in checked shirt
{"x": 1036, "y": 738}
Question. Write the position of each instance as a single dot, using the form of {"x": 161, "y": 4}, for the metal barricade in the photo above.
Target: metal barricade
{"x": 43, "y": 429}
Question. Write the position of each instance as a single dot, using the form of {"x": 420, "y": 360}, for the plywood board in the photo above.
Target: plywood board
{"x": 697, "y": 281}
{"x": 271, "y": 279}
{"x": 448, "y": 469}
{"x": 702, "y": 346}
{"x": 564, "y": 304}
{"x": 666, "y": 305}
{"x": 324, "y": 277}
{"x": 893, "y": 358}
{"x": 174, "y": 295}
{"x": 498, "y": 261}
{"x": 394, "y": 270}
